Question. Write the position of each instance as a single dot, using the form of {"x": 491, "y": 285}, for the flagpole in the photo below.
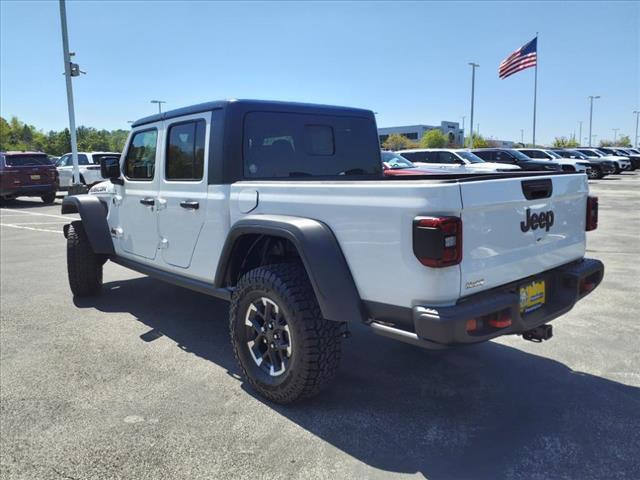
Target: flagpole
{"x": 535, "y": 92}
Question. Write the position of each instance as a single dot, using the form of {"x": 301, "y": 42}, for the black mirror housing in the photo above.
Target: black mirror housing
{"x": 110, "y": 167}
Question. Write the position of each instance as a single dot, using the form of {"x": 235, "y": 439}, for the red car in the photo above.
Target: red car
{"x": 394, "y": 165}
{"x": 27, "y": 174}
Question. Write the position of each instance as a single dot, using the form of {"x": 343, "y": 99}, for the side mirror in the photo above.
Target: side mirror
{"x": 110, "y": 168}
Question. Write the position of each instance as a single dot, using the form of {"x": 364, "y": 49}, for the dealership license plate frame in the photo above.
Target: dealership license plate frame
{"x": 532, "y": 296}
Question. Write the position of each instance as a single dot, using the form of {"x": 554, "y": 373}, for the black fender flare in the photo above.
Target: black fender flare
{"x": 321, "y": 256}
{"x": 93, "y": 213}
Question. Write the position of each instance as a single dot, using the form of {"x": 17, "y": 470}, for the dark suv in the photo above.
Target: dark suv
{"x": 514, "y": 157}
{"x": 600, "y": 167}
{"x": 27, "y": 174}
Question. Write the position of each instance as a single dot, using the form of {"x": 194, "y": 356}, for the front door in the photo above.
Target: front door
{"x": 65, "y": 170}
{"x": 138, "y": 209}
{"x": 182, "y": 201}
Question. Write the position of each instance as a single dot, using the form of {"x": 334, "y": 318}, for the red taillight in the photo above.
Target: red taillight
{"x": 592, "y": 214}
{"x": 502, "y": 320}
{"x": 437, "y": 241}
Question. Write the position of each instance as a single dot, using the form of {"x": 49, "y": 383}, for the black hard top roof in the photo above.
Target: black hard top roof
{"x": 249, "y": 105}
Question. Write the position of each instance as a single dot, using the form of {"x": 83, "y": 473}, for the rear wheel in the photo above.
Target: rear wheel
{"x": 284, "y": 347}
{"x": 49, "y": 197}
{"x": 84, "y": 267}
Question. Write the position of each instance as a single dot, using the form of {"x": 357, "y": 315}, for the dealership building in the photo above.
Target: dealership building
{"x": 451, "y": 130}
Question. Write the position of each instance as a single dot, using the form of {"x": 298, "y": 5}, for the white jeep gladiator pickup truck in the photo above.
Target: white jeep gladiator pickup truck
{"x": 283, "y": 209}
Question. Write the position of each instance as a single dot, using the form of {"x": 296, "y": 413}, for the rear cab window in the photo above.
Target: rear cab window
{"x": 290, "y": 145}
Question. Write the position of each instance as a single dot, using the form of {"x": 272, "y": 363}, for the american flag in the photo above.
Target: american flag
{"x": 525, "y": 57}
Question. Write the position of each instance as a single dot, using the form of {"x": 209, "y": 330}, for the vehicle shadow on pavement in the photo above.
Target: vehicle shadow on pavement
{"x": 489, "y": 411}
{"x": 33, "y": 203}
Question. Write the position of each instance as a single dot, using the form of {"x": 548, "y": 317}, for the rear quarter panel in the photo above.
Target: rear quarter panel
{"x": 372, "y": 221}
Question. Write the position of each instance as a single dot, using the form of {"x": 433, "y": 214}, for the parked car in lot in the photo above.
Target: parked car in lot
{"x": 622, "y": 163}
{"x": 279, "y": 208}
{"x": 455, "y": 160}
{"x": 600, "y": 167}
{"x": 633, "y": 158}
{"x": 88, "y": 164}
{"x": 567, "y": 164}
{"x": 394, "y": 164}
{"x": 514, "y": 157}
{"x": 27, "y": 174}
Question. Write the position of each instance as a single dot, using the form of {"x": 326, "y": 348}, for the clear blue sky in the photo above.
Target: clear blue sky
{"x": 407, "y": 61}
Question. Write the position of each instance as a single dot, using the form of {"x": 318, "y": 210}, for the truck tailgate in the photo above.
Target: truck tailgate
{"x": 507, "y": 236}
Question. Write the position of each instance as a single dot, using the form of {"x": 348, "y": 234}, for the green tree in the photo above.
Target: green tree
{"x": 624, "y": 141}
{"x": 478, "y": 141}
{"x": 5, "y": 134}
{"x": 395, "y": 141}
{"x": 564, "y": 142}
{"x": 434, "y": 139}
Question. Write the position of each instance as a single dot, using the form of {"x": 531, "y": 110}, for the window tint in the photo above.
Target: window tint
{"x": 488, "y": 156}
{"x": 447, "y": 157}
{"x": 534, "y": 154}
{"x": 283, "y": 145}
{"x": 26, "y": 160}
{"x": 185, "y": 151}
{"x": 140, "y": 163}
{"x": 82, "y": 159}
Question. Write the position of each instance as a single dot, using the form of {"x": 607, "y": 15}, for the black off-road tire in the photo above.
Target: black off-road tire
{"x": 84, "y": 267}
{"x": 49, "y": 197}
{"x": 315, "y": 342}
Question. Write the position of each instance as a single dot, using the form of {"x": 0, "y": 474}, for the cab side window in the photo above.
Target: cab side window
{"x": 140, "y": 162}
{"x": 185, "y": 151}
{"x": 447, "y": 158}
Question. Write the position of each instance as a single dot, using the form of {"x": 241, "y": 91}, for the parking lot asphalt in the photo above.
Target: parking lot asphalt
{"x": 141, "y": 383}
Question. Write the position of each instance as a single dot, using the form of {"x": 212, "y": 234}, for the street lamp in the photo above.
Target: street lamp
{"x": 522, "y": 136}
{"x": 615, "y": 134}
{"x": 591, "y": 98}
{"x": 636, "y": 113}
{"x": 159, "y": 102}
{"x": 473, "y": 87}
{"x": 580, "y": 135}
{"x": 463, "y": 117}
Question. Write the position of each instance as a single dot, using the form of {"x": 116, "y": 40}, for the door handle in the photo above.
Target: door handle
{"x": 149, "y": 202}
{"x": 190, "y": 205}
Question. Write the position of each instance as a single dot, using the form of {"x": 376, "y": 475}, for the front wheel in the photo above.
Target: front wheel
{"x": 594, "y": 173}
{"x": 84, "y": 267}
{"x": 285, "y": 349}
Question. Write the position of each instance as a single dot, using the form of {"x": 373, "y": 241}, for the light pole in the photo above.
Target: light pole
{"x": 615, "y": 134}
{"x": 67, "y": 75}
{"x": 636, "y": 113}
{"x": 522, "y": 136}
{"x": 473, "y": 88}
{"x": 159, "y": 102}
{"x": 463, "y": 117}
{"x": 591, "y": 97}
{"x": 580, "y": 136}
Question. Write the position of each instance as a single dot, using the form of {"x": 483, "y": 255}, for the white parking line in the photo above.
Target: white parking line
{"x": 24, "y": 212}
{"x": 60, "y": 222}
{"x": 29, "y": 228}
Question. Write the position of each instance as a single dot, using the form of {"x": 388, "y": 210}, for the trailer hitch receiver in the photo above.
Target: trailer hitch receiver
{"x": 538, "y": 334}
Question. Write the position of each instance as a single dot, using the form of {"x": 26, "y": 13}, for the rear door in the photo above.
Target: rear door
{"x": 182, "y": 204}
{"x": 137, "y": 212}
{"x": 65, "y": 170}
{"x": 516, "y": 227}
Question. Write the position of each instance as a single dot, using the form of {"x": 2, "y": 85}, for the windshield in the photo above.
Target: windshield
{"x": 519, "y": 155}
{"x": 590, "y": 153}
{"x": 469, "y": 157}
{"x": 26, "y": 160}
{"x": 577, "y": 154}
{"x": 602, "y": 152}
{"x": 553, "y": 154}
{"x": 395, "y": 161}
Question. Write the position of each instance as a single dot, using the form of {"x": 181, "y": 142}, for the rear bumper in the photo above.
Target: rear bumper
{"x": 29, "y": 190}
{"x": 447, "y": 326}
